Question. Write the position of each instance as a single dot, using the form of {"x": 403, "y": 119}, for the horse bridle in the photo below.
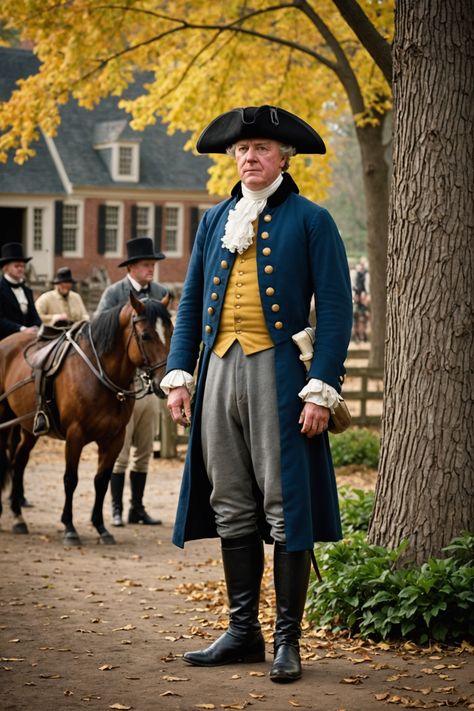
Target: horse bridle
{"x": 149, "y": 369}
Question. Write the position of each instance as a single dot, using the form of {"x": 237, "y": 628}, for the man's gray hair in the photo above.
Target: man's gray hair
{"x": 286, "y": 151}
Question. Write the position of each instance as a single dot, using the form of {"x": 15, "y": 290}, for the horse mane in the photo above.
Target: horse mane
{"x": 105, "y": 326}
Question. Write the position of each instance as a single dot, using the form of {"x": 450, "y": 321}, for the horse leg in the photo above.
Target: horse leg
{"x": 22, "y": 442}
{"x": 107, "y": 455}
{"x": 73, "y": 453}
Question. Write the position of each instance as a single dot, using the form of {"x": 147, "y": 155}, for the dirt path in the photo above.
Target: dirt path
{"x": 104, "y": 627}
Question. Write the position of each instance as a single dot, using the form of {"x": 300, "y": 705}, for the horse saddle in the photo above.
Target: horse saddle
{"x": 52, "y": 345}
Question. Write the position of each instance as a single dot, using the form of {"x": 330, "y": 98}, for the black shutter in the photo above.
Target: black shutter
{"x": 193, "y": 226}
{"x": 134, "y": 221}
{"x": 101, "y": 231}
{"x": 158, "y": 227}
{"x": 58, "y": 227}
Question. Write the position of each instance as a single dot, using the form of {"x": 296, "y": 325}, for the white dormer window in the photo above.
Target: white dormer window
{"x": 125, "y": 160}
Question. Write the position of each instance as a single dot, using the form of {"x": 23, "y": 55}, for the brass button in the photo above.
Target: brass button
{"x": 278, "y": 325}
{"x": 264, "y": 235}
{"x": 242, "y": 261}
{"x": 266, "y": 251}
{"x": 239, "y": 332}
{"x": 224, "y": 264}
{"x": 269, "y": 291}
{"x": 241, "y": 273}
{"x": 267, "y": 218}
{"x": 275, "y": 307}
{"x": 237, "y": 296}
{"x": 237, "y": 306}
{"x": 214, "y": 296}
{"x": 208, "y": 329}
{"x": 210, "y": 311}
{"x": 239, "y": 283}
{"x": 239, "y": 320}
{"x": 216, "y": 280}
{"x": 268, "y": 269}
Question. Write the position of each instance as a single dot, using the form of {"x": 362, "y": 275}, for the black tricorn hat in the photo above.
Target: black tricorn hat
{"x": 64, "y": 276}
{"x": 13, "y": 252}
{"x": 141, "y": 248}
{"x": 259, "y": 122}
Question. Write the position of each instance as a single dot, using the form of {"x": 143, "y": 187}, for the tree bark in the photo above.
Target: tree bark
{"x": 425, "y": 486}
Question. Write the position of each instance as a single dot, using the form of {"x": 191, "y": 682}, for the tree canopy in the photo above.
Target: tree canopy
{"x": 204, "y": 58}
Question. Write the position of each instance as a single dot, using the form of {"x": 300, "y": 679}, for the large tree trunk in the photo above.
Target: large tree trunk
{"x": 376, "y": 183}
{"x": 425, "y": 485}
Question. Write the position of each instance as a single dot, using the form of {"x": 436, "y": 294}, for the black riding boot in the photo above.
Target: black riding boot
{"x": 243, "y": 641}
{"x": 291, "y": 576}
{"x": 117, "y": 481}
{"x": 137, "y": 513}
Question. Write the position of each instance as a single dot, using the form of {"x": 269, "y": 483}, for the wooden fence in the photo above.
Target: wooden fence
{"x": 362, "y": 390}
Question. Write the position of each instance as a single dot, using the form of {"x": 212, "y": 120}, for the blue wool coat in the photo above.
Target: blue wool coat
{"x": 306, "y": 258}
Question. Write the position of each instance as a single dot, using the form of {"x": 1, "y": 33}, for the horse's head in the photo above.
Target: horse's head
{"x": 149, "y": 337}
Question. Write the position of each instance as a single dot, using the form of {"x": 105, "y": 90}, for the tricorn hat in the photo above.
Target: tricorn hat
{"x": 259, "y": 122}
{"x": 141, "y": 248}
{"x": 13, "y": 252}
{"x": 64, "y": 276}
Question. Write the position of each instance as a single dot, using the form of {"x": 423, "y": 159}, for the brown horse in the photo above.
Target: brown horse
{"x": 93, "y": 398}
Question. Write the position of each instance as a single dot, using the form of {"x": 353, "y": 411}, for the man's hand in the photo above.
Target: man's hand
{"x": 314, "y": 419}
{"x": 179, "y": 405}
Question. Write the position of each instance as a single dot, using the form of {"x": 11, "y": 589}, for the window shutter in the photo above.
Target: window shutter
{"x": 58, "y": 227}
{"x": 101, "y": 231}
{"x": 158, "y": 227}
{"x": 193, "y": 226}
{"x": 134, "y": 221}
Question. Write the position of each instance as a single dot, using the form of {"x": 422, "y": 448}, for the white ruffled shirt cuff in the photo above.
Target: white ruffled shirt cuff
{"x": 319, "y": 393}
{"x": 176, "y": 379}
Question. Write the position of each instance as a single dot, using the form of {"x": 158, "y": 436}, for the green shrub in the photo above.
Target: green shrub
{"x": 355, "y": 446}
{"x": 362, "y": 591}
{"x": 356, "y": 508}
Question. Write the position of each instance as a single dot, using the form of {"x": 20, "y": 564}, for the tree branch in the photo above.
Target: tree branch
{"x": 378, "y": 48}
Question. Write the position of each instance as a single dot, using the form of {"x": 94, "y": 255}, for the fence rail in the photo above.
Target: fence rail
{"x": 363, "y": 392}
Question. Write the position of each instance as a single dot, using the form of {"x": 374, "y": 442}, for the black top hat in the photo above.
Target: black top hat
{"x": 13, "y": 252}
{"x": 140, "y": 248}
{"x": 64, "y": 276}
{"x": 259, "y": 122}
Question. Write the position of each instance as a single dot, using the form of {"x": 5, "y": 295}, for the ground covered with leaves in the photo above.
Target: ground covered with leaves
{"x": 101, "y": 627}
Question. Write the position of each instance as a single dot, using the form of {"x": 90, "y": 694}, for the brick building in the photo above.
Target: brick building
{"x": 97, "y": 184}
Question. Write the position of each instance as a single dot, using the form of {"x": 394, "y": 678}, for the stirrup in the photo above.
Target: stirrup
{"x": 41, "y": 424}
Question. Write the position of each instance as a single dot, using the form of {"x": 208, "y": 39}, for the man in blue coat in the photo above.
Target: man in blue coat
{"x": 258, "y": 464}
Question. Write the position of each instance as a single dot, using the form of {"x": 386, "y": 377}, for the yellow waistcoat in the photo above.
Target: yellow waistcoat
{"x": 242, "y": 316}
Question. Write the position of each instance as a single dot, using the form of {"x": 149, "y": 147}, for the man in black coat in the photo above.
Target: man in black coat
{"x": 17, "y": 307}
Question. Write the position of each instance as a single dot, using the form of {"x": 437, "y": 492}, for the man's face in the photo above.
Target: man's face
{"x": 15, "y": 270}
{"x": 259, "y": 162}
{"x": 64, "y": 287}
{"x": 142, "y": 271}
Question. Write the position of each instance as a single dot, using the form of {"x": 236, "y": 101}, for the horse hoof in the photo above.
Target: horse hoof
{"x": 71, "y": 538}
{"x": 20, "y": 528}
{"x": 106, "y": 539}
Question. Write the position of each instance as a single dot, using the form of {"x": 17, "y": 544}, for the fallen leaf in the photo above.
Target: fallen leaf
{"x": 296, "y": 704}
{"x": 257, "y": 696}
{"x": 127, "y": 627}
{"x": 107, "y": 667}
{"x": 254, "y": 673}
{"x": 205, "y": 706}
{"x": 120, "y": 707}
{"x": 68, "y": 692}
{"x": 175, "y": 678}
{"x": 14, "y": 640}
{"x": 382, "y": 697}
{"x": 350, "y": 680}
{"x": 50, "y": 676}
{"x": 236, "y": 676}
{"x": 169, "y": 693}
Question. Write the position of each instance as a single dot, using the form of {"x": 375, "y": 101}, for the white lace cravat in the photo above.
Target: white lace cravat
{"x": 239, "y": 230}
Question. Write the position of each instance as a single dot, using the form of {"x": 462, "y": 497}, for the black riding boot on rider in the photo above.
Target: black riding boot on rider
{"x": 291, "y": 577}
{"x": 117, "y": 481}
{"x": 243, "y": 641}
{"x": 136, "y": 512}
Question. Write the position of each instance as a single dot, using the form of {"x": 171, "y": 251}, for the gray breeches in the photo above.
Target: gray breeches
{"x": 241, "y": 441}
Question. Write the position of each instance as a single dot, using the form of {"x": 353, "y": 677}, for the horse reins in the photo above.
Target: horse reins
{"x": 120, "y": 393}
